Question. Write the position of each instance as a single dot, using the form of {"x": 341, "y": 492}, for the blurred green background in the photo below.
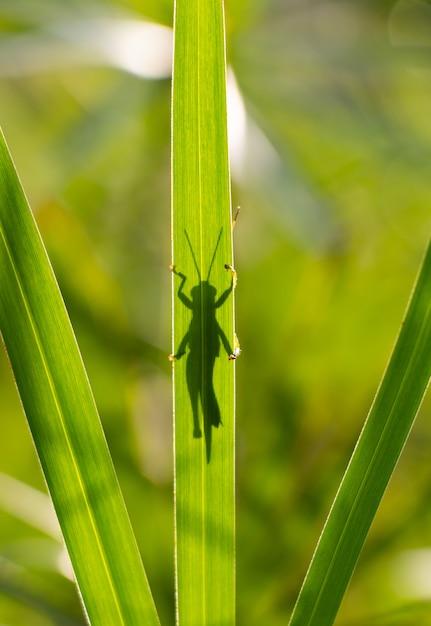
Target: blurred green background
{"x": 330, "y": 150}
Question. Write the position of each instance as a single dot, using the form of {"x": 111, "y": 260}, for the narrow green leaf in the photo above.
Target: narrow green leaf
{"x": 203, "y": 312}
{"x": 373, "y": 461}
{"x": 63, "y": 419}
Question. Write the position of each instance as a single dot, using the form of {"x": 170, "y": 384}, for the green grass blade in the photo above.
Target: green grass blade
{"x": 63, "y": 420}
{"x": 373, "y": 461}
{"x": 203, "y": 309}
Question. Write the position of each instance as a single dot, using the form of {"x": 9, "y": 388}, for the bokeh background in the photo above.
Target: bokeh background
{"x": 330, "y": 131}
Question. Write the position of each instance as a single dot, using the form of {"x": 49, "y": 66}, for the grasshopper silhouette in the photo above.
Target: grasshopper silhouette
{"x": 203, "y": 341}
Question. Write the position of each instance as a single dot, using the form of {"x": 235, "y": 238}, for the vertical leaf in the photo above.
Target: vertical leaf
{"x": 203, "y": 310}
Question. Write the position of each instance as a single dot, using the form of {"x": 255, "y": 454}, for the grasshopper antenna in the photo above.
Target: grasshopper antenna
{"x": 193, "y": 255}
{"x": 230, "y": 267}
{"x": 215, "y": 251}
{"x": 238, "y": 209}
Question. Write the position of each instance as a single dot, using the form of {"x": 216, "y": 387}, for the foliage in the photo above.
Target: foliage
{"x": 330, "y": 170}
{"x": 203, "y": 336}
{"x": 63, "y": 420}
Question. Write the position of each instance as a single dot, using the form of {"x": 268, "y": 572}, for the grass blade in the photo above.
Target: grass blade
{"x": 373, "y": 461}
{"x": 63, "y": 420}
{"x": 203, "y": 309}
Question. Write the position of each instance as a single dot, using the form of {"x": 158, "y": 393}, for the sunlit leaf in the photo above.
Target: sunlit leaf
{"x": 63, "y": 419}
{"x": 203, "y": 320}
